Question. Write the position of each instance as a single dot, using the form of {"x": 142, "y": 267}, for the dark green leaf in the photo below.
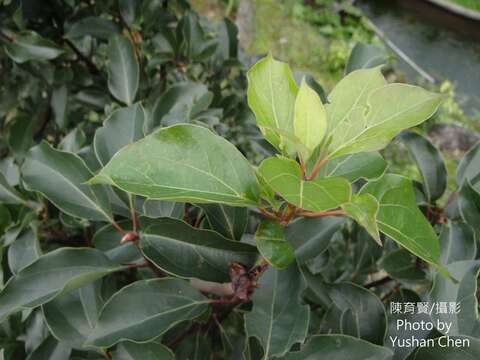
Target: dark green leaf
{"x": 466, "y": 348}
{"x": 365, "y": 56}
{"x": 457, "y": 243}
{"x": 50, "y": 349}
{"x": 430, "y": 163}
{"x": 61, "y": 177}
{"x": 401, "y": 265}
{"x": 181, "y": 250}
{"x": 123, "y": 69}
{"x": 24, "y": 251}
{"x": 311, "y": 237}
{"x": 124, "y": 126}
{"x": 340, "y": 347}
{"x": 469, "y": 167}
{"x": 151, "y": 351}
{"x": 94, "y": 26}
{"x": 51, "y": 275}
{"x": 463, "y": 292}
{"x": 276, "y": 328}
{"x": 165, "y": 303}
{"x": 29, "y": 45}
{"x": 226, "y": 220}
{"x": 8, "y": 195}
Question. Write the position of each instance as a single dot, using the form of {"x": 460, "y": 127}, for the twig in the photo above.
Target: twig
{"x": 379, "y": 282}
{"x": 321, "y": 213}
{"x": 391, "y": 292}
{"x": 133, "y": 213}
{"x": 90, "y": 64}
{"x": 316, "y": 168}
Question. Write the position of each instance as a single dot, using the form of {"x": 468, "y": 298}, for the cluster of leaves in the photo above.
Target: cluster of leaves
{"x": 152, "y": 236}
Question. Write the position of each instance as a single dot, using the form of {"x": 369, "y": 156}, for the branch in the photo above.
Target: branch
{"x": 379, "y": 282}
{"x": 224, "y": 289}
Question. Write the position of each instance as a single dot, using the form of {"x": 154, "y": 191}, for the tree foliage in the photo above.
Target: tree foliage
{"x": 160, "y": 197}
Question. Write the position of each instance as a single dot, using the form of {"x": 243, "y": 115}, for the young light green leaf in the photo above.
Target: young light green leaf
{"x": 164, "y": 303}
{"x": 182, "y": 250}
{"x": 340, "y": 347}
{"x": 363, "y": 209}
{"x": 372, "y": 126}
{"x": 399, "y": 217}
{"x": 278, "y": 330}
{"x": 186, "y": 163}
{"x": 310, "y": 119}
{"x": 29, "y": 45}
{"x": 430, "y": 163}
{"x": 364, "y": 165}
{"x": 123, "y": 69}
{"x": 464, "y": 320}
{"x": 128, "y": 350}
{"x": 271, "y": 243}
{"x": 284, "y": 176}
{"x": 51, "y": 275}
{"x": 124, "y": 126}
{"x": 61, "y": 177}
{"x": 271, "y": 96}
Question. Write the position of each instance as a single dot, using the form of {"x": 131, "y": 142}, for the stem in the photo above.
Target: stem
{"x": 90, "y": 64}
{"x": 321, "y": 213}
{"x": 7, "y": 37}
{"x": 391, "y": 292}
{"x": 379, "y": 282}
{"x": 133, "y": 214}
{"x": 268, "y": 214}
{"x": 117, "y": 227}
{"x": 316, "y": 168}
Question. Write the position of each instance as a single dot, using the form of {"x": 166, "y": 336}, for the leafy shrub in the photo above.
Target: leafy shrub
{"x": 149, "y": 235}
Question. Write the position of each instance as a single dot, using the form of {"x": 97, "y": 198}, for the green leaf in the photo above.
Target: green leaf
{"x": 61, "y": 177}
{"x": 360, "y": 118}
{"x": 50, "y": 349}
{"x": 276, "y": 328}
{"x": 311, "y": 237}
{"x": 8, "y": 195}
{"x": 108, "y": 240}
{"x": 365, "y": 56}
{"x": 185, "y": 163}
{"x": 229, "y": 221}
{"x": 363, "y": 209}
{"x": 182, "y": 250}
{"x": 29, "y": 45}
{"x": 463, "y": 292}
{"x": 402, "y": 266}
{"x": 196, "y": 44}
{"x": 123, "y": 69}
{"x": 72, "y": 316}
{"x": 469, "y": 204}
{"x": 165, "y": 303}
{"x": 24, "y": 250}
{"x": 271, "y": 96}
{"x": 271, "y": 243}
{"x": 150, "y": 351}
{"x": 51, "y": 275}
{"x": 284, "y": 176}
{"x": 399, "y": 217}
{"x": 457, "y": 243}
{"x": 94, "y": 26}
{"x": 180, "y": 103}
{"x": 310, "y": 119}
{"x": 340, "y": 347}
{"x": 124, "y": 126}
{"x": 430, "y": 163}
{"x": 355, "y": 311}
{"x": 5, "y": 218}
{"x": 58, "y": 103}
{"x": 469, "y": 167}
{"x": 443, "y": 352}
{"x": 73, "y": 141}
{"x": 368, "y": 165}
